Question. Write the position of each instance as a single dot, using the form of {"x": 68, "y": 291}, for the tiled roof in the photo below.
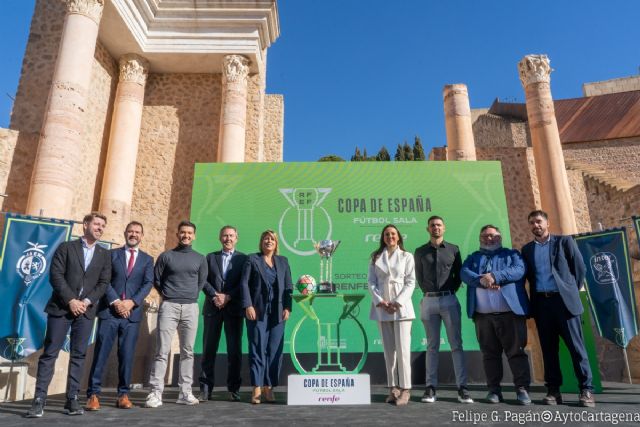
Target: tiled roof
{"x": 594, "y": 118}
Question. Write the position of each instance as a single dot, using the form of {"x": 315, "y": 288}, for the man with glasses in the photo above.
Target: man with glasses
{"x": 498, "y": 304}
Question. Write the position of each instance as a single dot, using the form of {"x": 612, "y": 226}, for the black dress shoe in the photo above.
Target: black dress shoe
{"x": 234, "y": 396}
{"x": 37, "y": 408}
{"x": 72, "y": 407}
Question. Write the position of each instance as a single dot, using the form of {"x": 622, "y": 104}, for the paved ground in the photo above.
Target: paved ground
{"x": 616, "y": 400}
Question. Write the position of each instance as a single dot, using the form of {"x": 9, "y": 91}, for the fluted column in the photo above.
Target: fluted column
{"x": 58, "y": 160}
{"x": 457, "y": 117}
{"x": 120, "y": 167}
{"x": 231, "y": 143}
{"x": 555, "y": 195}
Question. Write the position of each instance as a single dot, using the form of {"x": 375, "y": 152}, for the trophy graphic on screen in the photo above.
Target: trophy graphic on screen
{"x": 326, "y": 249}
{"x": 305, "y": 200}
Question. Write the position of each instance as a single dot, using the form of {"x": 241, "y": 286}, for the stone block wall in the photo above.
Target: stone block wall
{"x": 31, "y": 97}
{"x": 104, "y": 79}
{"x": 180, "y": 126}
{"x": 495, "y": 131}
{"x": 274, "y": 128}
{"x": 624, "y": 84}
{"x": 520, "y": 187}
{"x": 620, "y": 157}
{"x": 8, "y": 141}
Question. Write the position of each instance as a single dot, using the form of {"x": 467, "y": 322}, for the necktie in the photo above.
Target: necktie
{"x": 132, "y": 254}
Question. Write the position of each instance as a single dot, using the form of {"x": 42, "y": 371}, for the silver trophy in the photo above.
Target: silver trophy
{"x": 326, "y": 248}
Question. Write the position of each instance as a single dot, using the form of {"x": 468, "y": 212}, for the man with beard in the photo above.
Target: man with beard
{"x": 498, "y": 304}
{"x": 437, "y": 265}
{"x": 223, "y": 307}
{"x": 120, "y": 313}
{"x": 556, "y": 272}
{"x": 80, "y": 273}
{"x": 179, "y": 276}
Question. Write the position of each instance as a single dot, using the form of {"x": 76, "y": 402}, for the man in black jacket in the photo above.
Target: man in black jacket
{"x": 223, "y": 307}
{"x": 80, "y": 273}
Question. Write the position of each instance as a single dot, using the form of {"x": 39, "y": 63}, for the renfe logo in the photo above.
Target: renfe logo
{"x": 328, "y": 399}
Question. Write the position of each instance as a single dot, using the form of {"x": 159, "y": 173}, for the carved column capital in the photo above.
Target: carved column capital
{"x": 534, "y": 69}
{"x": 90, "y": 8}
{"x": 235, "y": 68}
{"x": 133, "y": 68}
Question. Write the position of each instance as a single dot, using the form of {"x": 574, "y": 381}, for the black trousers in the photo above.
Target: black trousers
{"x": 498, "y": 333}
{"x": 57, "y": 328}
{"x": 554, "y": 321}
{"x": 233, "y": 326}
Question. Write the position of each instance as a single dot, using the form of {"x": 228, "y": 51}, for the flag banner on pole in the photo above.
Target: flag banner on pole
{"x": 609, "y": 284}
{"x": 636, "y": 225}
{"x": 28, "y": 245}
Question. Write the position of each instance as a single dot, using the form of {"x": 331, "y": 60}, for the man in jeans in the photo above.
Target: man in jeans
{"x": 438, "y": 274}
{"x": 179, "y": 276}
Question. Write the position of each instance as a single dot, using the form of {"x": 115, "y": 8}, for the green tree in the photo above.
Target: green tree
{"x": 418, "y": 151}
{"x": 383, "y": 155}
{"x": 357, "y": 156}
{"x": 408, "y": 151}
{"x": 331, "y": 158}
{"x": 399, "y": 157}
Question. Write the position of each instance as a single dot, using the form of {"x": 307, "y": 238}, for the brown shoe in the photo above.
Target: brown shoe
{"x": 93, "y": 404}
{"x": 123, "y": 402}
{"x": 394, "y": 393}
{"x": 403, "y": 399}
{"x": 267, "y": 393}
{"x": 255, "y": 396}
{"x": 587, "y": 399}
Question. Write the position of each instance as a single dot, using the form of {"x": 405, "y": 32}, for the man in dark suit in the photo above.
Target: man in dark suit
{"x": 556, "y": 271}
{"x": 223, "y": 307}
{"x": 120, "y": 312}
{"x": 80, "y": 273}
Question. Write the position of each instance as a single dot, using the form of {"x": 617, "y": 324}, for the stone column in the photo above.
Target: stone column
{"x": 457, "y": 117}
{"x": 555, "y": 195}
{"x": 58, "y": 159}
{"x": 231, "y": 143}
{"x": 120, "y": 167}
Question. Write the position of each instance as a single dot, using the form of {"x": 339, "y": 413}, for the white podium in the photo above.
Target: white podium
{"x": 338, "y": 389}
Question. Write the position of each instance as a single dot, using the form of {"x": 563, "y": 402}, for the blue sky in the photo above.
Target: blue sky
{"x": 370, "y": 73}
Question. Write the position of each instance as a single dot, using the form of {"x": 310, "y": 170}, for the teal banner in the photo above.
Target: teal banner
{"x": 609, "y": 284}
{"x": 28, "y": 245}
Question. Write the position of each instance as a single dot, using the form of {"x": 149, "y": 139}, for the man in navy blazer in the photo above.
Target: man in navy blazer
{"x": 80, "y": 272}
{"x": 223, "y": 307}
{"x": 556, "y": 271}
{"x": 120, "y": 313}
{"x": 498, "y": 304}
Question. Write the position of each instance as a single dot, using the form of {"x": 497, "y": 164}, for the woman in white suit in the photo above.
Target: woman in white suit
{"x": 391, "y": 282}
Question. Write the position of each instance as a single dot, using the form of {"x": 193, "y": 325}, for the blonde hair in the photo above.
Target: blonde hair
{"x": 265, "y": 234}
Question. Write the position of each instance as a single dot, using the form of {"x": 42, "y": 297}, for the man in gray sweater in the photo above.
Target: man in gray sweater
{"x": 179, "y": 276}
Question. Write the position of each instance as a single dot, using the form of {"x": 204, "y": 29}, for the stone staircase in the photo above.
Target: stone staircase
{"x": 601, "y": 175}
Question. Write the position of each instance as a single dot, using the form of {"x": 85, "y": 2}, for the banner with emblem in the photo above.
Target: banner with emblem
{"x": 28, "y": 245}
{"x": 636, "y": 225}
{"x": 609, "y": 284}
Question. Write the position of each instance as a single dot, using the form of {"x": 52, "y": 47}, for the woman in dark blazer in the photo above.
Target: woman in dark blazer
{"x": 266, "y": 298}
